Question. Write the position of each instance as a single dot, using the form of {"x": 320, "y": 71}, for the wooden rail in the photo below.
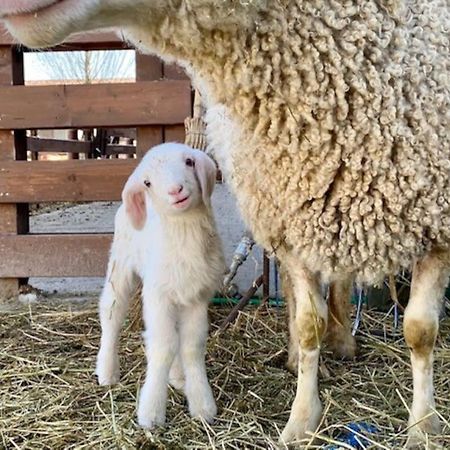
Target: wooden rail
{"x": 73, "y": 181}
{"x": 99, "y": 105}
{"x": 56, "y": 255}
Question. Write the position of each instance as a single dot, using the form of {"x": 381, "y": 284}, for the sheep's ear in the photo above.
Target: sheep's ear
{"x": 206, "y": 171}
{"x": 133, "y": 197}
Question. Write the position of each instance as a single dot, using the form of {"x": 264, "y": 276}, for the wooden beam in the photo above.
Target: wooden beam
{"x": 13, "y": 218}
{"x": 73, "y": 180}
{"x": 99, "y": 105}
{"x": 119, "y": 149}
{"x": 56, "y": 255}
{"x": 36, "y": 144}
{"x": 148, "y": 68}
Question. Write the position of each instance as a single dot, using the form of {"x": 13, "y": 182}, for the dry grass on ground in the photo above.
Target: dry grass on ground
{"x": 49, "y": 398}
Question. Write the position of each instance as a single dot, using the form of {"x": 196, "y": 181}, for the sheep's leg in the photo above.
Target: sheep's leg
{"x": 193, "y": 335}
{"x": 311, "y": 319}
{"x": 339, "y": 335}
{"x": 119, "y": 287}
{"x": 288, "y": 293}
{"x": 161, "y": 346}
{"x": 421, "y": 324}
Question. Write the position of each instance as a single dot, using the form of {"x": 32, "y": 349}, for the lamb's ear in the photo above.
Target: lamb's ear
{"x": 133, "y": 197}
{"x": 206, "y": 171}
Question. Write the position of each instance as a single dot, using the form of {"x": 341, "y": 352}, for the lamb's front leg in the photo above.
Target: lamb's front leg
{"x": 193, "y": 335}
{"x": 120, "y": 286}
{"x": 161, "y": 345}
{"x": 311, "y": 318}
{"x": 421, "y": 324}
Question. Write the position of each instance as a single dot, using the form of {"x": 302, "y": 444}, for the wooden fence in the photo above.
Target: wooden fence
{"x": 154, "y": 108}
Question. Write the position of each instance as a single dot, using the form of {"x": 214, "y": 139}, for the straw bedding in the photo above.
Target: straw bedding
{"x": 49, "y": 398}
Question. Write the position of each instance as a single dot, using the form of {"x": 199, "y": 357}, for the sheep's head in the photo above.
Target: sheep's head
{"x": 45, "y": 23}
{"x": 174, "y": 177}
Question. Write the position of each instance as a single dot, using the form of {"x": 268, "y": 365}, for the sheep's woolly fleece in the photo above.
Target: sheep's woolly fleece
{"x": 341, "y": 110}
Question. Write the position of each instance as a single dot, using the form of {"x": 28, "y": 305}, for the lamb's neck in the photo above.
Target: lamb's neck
{"x": 190, "y": 226}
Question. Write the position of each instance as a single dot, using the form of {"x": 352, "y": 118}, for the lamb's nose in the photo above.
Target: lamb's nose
{"x": 175, "y": 190}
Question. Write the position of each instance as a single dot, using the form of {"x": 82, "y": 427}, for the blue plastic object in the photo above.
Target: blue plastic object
{"x": 353, "y": 436}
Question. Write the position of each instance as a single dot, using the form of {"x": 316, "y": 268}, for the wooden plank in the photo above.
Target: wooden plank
{"x": 9, "y": 215}
{"x": 174, "y": 72}
{"x": 56, "y": 255}
{"x": 119, "y": 149}
{"x": 147, "y": 138}
{"x": 99, "y": 105}
{"x": 36, "y": 144}
{"x": 50, "y": 181}
{"x": 174, "y": 133}
{"x": 148, "y": 68}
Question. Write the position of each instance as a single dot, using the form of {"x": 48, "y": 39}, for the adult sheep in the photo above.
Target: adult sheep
{"x": 332, "y": 120}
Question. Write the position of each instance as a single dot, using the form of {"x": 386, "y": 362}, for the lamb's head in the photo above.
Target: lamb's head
{"x": 174, "y": 177}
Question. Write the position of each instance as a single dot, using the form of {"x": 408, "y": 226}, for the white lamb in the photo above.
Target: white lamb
{"x": 165, "y": 234}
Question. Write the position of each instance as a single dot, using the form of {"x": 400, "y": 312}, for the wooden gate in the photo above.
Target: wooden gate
{"x": 155, "y": 106}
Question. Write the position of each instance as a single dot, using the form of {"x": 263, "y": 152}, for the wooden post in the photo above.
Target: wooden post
{"x": 148, "y": 68}
{"x": 13, "y": 217}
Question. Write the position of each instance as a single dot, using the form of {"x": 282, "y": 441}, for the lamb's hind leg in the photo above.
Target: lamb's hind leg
{"x": 339, "y": 336}
{"x": 311, "y": 319}
{"x": 119, "y": 287}
{"x": 421, "y": 324}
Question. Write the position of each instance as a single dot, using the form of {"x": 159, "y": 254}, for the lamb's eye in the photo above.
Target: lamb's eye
{"x": 190, "y": 162}
{"x": 147, "y": 183}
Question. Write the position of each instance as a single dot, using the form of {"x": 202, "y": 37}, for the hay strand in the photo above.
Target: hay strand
{"x": 49, "y": 397}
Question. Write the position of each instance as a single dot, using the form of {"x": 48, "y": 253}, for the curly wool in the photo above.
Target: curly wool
{"x": 340, "y": 114}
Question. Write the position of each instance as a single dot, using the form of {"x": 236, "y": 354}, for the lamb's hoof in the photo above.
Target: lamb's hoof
{"x": 343, "y": 347}
{"x": 107, "y": 371}
{"x": 298, "y": 430}
{"x": 151, "y": 419}
{"x": 417, "y": 433}
{"x": 204, "y": 407}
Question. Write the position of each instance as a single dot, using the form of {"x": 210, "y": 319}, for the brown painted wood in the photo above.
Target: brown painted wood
{"x": 148, "y": 137}
{"x": 49, "y": 181}
{"x": 8, "y": 212}
{"x": 174, "y": 72}
{"x": 36, "y": 144}
{"x": 148, "y": 68}
{"x": 119, "y": 149}
{"x": 58, "y": 255}
{"x": 78, "y": 106}
{"x": 174, "y": 133}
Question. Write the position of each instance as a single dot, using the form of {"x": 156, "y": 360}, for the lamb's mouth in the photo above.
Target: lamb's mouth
{"x": 33, "y": 10}
{"x": 181, "y": 202}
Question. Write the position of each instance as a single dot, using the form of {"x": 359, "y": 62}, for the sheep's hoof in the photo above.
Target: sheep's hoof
{"x": 417, "y": 433}
{"x": 343, "y": 346}
{"x": 299, "y": 426}
{"x": 292, "y": 363}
